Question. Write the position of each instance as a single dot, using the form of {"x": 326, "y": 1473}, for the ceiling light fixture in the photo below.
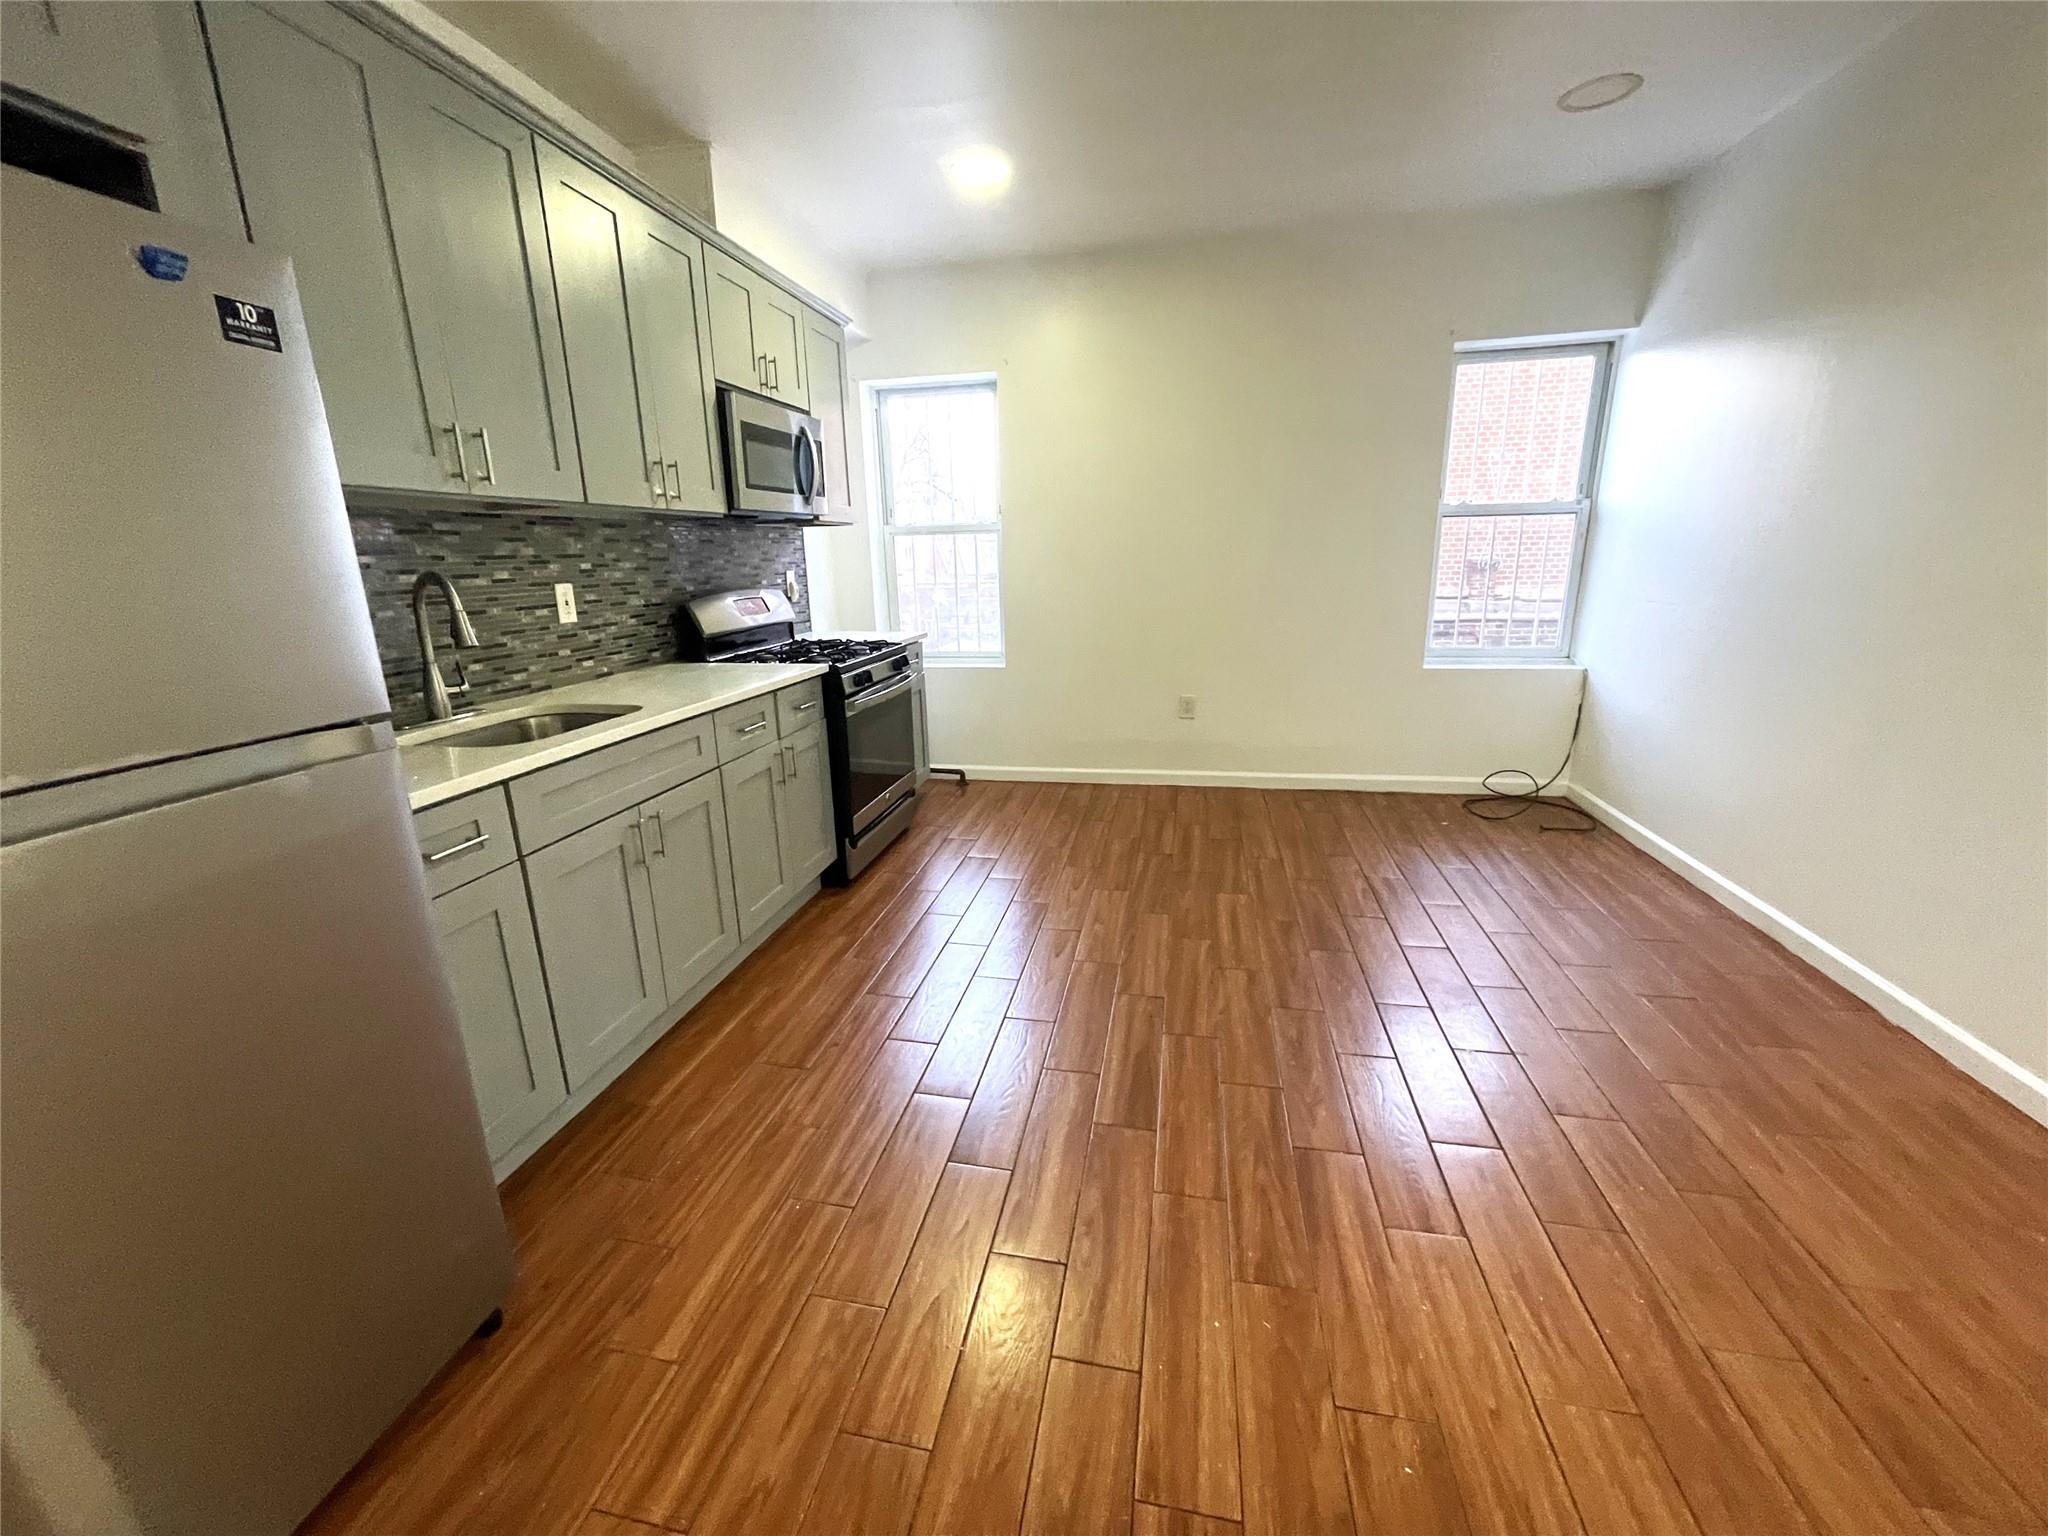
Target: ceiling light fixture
{"x": 979, "y": 173}
{"x": 1600, "y": 91}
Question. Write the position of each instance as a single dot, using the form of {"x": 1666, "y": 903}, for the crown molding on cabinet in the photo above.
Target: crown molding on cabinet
{"x": 391, "y": 23}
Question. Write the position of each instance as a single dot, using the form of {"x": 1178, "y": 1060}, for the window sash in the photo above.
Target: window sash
{"x": 885, "y": 473}
{"x": 893, "y": 532}
{"x": 889, "y": 530}
{"x": 1602, "y": 353}
{"x": 1578, "y": 508}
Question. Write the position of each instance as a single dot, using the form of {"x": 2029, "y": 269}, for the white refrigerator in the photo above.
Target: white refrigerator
{"x": 245, "y": 1207}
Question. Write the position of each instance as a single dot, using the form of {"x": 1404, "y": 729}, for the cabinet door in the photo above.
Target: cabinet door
{"x": 810, "y": 838}
{"x": 671, "y": 304}
{"x": 689, "y": 865}
{"x": 470, "y": 171}
{"x": 736, "y": 355}
{"x": 594, "y": 911}
{"x": 594, "y": 235}
{"x": 485, "y": 935}
{"x": 140, "y": 67}
{"x": 825, "y": 375}
{"x": 316, "y": 103}
{"x": 779, "y": 333}
{"x": 753, "y": 819}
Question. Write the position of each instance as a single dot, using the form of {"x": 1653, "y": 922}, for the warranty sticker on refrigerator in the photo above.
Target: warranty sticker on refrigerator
{"x": 246, "y": 324}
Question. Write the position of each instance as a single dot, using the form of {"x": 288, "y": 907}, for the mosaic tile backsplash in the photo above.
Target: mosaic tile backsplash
{"x": 629, "y": 573}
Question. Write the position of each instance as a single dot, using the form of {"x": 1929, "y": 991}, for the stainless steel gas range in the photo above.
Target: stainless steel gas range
{"x": 874, "y": 709}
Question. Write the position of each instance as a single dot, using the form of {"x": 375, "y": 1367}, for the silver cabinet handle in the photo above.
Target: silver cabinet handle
{"x": 652, "y": 823}
{"x": 461, "y": 470}
{"x": 775, "y": 373}
{"x": 462, "y": 847}
{"x": 655, "y": 481}
{"x": 761, "y": 370}
{"x": 758, "y": 725}
{"x": 637, "y": 854}
{"x": 806, "y": 707}
{"x": 676, "y": 469}
{"x": 775, "y": 766}
{"x": 483, "y": 435}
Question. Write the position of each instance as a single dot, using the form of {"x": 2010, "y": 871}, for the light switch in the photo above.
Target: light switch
{"x": 565, "y": 603}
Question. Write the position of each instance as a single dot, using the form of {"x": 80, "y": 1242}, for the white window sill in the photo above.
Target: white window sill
{"x": 1500, "y": 664}
{"x": 962, "y": 661}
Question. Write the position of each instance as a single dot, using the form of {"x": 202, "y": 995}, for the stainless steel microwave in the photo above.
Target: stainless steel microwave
{"x": 774, "y": 457}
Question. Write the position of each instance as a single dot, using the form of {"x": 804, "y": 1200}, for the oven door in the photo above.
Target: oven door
{"x": 774, "y": 461}
{"x": 881, "y": 753}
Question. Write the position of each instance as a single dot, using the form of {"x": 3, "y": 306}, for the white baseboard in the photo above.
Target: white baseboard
{"x": 1205, "y": 778}
{"x": 1988, "y": 1065}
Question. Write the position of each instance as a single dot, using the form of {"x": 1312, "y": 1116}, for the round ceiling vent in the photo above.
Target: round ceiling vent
{"x": 1600, "y": 91}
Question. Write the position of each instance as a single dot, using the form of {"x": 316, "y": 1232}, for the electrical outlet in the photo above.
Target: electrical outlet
{"x": 565, "y": 603}
{"x": 1187, "y": 706}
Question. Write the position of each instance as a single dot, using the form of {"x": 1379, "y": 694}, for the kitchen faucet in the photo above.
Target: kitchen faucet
{"x": 461, "y": 635}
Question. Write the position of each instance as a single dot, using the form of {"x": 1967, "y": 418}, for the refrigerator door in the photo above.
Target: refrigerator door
{"x": 249, "y": 1212}
{"x": 176, "y": 571}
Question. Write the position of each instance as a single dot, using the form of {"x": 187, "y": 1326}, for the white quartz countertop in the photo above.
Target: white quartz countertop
{"x": 663, "y": 695}
{"x": 893, "y": 636}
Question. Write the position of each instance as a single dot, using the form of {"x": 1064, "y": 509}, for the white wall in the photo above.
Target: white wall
{"x": 1220, "y": 474}
{"x": 1814, "y": 615}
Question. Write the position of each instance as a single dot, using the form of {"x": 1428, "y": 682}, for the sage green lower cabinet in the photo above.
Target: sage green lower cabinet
{"x": 593, "y": 907}
{"x": 754, "y": 810}
{"x": 809, "y": 835}
{"x": 485, "y": 935}
{"x": 689, "y": 865}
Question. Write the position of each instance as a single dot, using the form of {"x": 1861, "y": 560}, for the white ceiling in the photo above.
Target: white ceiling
{"x": 1139, "y": 121}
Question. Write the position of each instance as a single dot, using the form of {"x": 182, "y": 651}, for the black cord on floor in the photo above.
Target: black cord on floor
{"x": 1509, "y": 803}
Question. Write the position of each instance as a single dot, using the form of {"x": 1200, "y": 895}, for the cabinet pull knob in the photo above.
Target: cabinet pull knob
{"x": 655, "y": 480}
{"x": 637, "y": 854}
{"x": 675, "y": 469}
{"x": 651, "y": 822}
{"x": 761, "y": 370}
{"x": 758, "y": 725}
{"x": 461, "y": 470}
{"x": 462, "y": 847}
{"x": 807, "y": 706}
{"x": 483, "y": 435}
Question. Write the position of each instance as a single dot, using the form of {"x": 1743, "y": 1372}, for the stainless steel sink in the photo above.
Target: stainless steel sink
{"x": 510, "y": 731}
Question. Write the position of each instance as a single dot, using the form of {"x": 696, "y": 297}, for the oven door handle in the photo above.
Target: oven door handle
{"x": 869, "y": 700}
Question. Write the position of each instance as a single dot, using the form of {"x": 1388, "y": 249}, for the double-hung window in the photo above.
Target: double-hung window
{"x": 1523, "y": 447}
{"x": 940, "y": 516}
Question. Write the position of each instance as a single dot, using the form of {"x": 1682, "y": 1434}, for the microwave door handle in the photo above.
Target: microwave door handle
{"x": 806, "y": 466}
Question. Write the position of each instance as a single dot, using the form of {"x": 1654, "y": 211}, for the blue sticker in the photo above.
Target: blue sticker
{"x": 161, "y": 263}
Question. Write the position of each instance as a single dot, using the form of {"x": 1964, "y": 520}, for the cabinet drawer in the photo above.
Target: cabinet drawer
{"x": 464, "y": 839}
{"x": 744, "y": 728}
{"x": 570, "y": 796}
{"x": 800, "y": 706}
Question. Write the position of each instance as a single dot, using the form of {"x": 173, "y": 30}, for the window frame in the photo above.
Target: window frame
{"x": 1604, "y": 348}
{"x": 887, "y": 531}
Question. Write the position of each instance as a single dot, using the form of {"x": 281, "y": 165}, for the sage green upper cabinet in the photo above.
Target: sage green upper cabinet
{"x": 472, "y": 167}
{"x": 671, "y": 303}
{"x": 825, "y": 373}
{"x": 736, "y": 358}
{"x": 315, "y": 103}
{"x": 139, "y": 67}
{"x": 757, "y": 339}
{"x": 594, "y": 236}
{"x": 412, "y": 211}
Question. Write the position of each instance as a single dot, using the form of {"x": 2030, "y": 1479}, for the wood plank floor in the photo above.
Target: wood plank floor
{"x": 1115, "y": 1159}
